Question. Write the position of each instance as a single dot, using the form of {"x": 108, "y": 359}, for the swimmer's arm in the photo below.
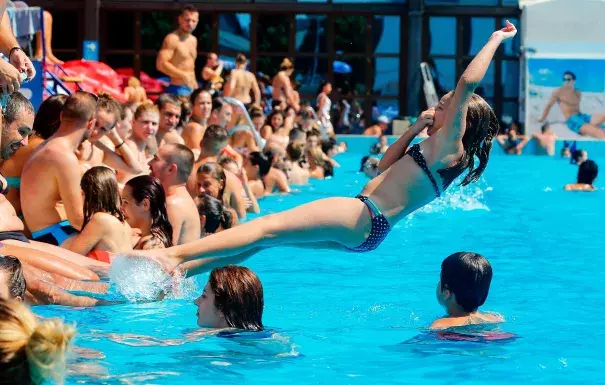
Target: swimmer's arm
{"x": 230, "y": 86}
{"x": 281, "y": 182}
{"x": 176, "y": 220}
{"x": 236, "y": 200}
{"x": 501, "y": 139}
{"x": 288, "y": 90}
{"x": 200, "y": 266}
{"x": 254, "y": 206}
{"x": 68, "y": 181}
{"x": 90, "y": 235}
{"x": 123, "y": 158}
{"x": 165, "y": 55}
{"x": 398, "y": 149}
{"x": 523, "y": 143}
{"x": 7, "y": 38}
{"x": 256, "y": 91}
{"x": 192, "y": 135}
{"x": 553, "y": 99}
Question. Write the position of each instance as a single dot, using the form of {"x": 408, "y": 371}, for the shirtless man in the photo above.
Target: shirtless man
{"x": 241, "y": 82}
{"x": 282, "y": 86}
{"x": 221, "y": 115}
{"x": 17, "y": 122}
{"x": 211, "y": 73}
{"x": 214, "y": 142}
{"x": 55, "y": 212}
{"x": 193, "y": 132}
{"x": 379, "y": 128}
{"x": 179, "y": 51}
{"x": 545, "y": 142}
{"x": 172, "y": 165}
{"x": 144, "y": 128}
{"x": 105, "y": 146}
{"x": 569, "y": 100}
{"x": 170, "y": 114}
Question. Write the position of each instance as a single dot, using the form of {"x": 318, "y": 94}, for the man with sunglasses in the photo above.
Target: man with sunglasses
{"x": 569, "y": 98}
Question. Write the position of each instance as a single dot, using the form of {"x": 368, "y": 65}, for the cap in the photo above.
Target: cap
{"x": 383, "y": 119}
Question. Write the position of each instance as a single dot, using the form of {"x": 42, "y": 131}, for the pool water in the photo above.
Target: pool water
{"x": 343, "y": 318}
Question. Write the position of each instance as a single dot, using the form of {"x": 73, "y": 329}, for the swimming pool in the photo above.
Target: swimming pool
{"x": 344, "y": 318}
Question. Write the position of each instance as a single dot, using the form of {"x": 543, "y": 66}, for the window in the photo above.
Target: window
{"x": 442, "y": 31}
{"x": 386, "y": 76}
{"x": 512, "y": 47}
{"x": 119, "y": 38}
{"x": 349, "y": 34}
{"x": 203, "y": 32}
{"x": 154, "y": 28}
{"x": 273, "y": 33}
{"x": 234, "y": 32}
{"x": 310, "y": 72}
{"x": 510, "y": 79}
{"x": 444, "y": 75}
{"x": 386, "y": 33}
{"x": 350, "y": 74}
{"x": 474, "y": 38}
{"x": 116, "y": 61}
{"x": 311, "y": 34}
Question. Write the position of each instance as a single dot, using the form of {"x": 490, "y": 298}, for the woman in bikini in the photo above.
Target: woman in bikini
{"x": 462, "y": 127}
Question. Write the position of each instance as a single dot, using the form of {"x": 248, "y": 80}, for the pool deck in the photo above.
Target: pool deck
{"x": 596, "y": 148}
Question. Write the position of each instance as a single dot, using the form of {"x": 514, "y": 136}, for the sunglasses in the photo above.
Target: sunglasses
{"x": 567, "y": 79}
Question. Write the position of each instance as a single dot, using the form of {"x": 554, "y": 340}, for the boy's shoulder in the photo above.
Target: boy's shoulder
{"x": 474, "y": 319}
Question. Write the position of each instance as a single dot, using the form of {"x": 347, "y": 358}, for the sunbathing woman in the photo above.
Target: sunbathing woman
{"x": 463, "y": 127}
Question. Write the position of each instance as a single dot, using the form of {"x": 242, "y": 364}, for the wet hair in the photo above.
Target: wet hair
{"x": 270, "y": 118}
{"x": 262, "y": 160}
{"x": 240, "y": 58}
{"x": 17, "y": 104}
{"x": 215, "y": 136}
{"x": 297, "y": 134}
{"x": 545, "y": 127}
{"x": 295, "y": 151}
{"x": 32, "y": 352}
{"x": 588, "y": 172}
{"x": 576, "y": 155}
{"x": 224, "y": 160}
{"x": 164, "y": 99}
{"x": 218, "y": 103}
{"x": 183, "y": 158}
{"x": 286, "y": 64}
{"x": 197, "y": 93}
{"x": 145, "y": 108}
{"x": 256, "y": 113}
{"x": 216, "y": 171}
{"x": 15, "y": 278}
{"x": 216, "y": 214}
{"x": 573, "y": 76}
{"x": 79, "y": 107}
{"x": 363, "y": 162}
{"x": 482, "y": 126}
{"x": 238, "y": 294}
{"x": 108, "y": 104}
{"x": 187, "y": 8}
{"x": 313, "y": 132}
{"x": 327, "y": 145}
{"x": 48, "y": 118}
{"x": 147, "y": 187}
{"x": 101, "y": 193}
{"x": 467, "y": 276}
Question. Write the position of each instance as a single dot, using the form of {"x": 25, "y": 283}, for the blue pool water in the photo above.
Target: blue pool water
{"x": 344, "y": 318}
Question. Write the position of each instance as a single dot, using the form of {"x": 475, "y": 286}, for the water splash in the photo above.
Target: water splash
{"x": 140, "y": 279}
{"x": 466, "y": 198}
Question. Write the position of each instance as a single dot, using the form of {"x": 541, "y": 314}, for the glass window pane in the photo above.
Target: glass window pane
{"x": 353, "y": 77}
{"x": 348, "y": 116}
{"x": 444, "y": 75}
{"x": 309, "y": 73}
{"x": 273, "y": 33}
{"x": 269, "y": 65}
{"x": 203, "y": 32}
{"x": 388, "y": 107}
{"x": 154, "y": 28}
{"x": 510, "y": 79}
{"x": 234, "y": 32}
{"x": 119, "y": 38}
{"x": 120, "y": 61}
{"x": 349, "y": 34}
{"x": 512, "y": 46}
{"x": 65, "y": 37}
{"x": 311, "y": 33}
{"x": 510, "y": 112}
{"x": 486, "y": 88}
{"x": 474, "y": 39}
{"x": 386, "y": 76}
{"x": 386, "y": 31}
{"x": 442, "y": 31}
{"x": 148, "y": 66}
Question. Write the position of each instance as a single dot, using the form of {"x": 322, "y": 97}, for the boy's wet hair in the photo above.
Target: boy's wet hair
{"x": 588, "y": 172}
{"x": 467, "y": 276}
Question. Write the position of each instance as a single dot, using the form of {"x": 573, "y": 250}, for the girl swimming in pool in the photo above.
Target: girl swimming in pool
{"x": 461, "y": 127}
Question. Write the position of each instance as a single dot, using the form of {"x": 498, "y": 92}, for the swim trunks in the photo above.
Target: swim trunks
{"x": 13, "y": 182}
{"x": 55, "y": 234}
{"x": 380, "y": 227}
{"x": 178, "y": 90}
{"x": 575, "y": 122}
{"x": 13, "y": 235}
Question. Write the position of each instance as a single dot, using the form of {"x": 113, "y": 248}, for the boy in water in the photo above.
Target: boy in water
{"x": 464, "y": 286}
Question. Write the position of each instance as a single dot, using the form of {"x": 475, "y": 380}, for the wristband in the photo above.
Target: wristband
{"x": 12, "y": 51}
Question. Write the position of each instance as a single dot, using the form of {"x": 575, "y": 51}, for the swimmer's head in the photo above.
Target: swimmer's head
{"x": 383, "y": 140}
{"x": 80, "y": 111}
{"x": 258, "y": 164}
{"x": 297, "y": 135}
{"x": 12, "y": 281}
{"x": 17, "y": 122}
{"x": 482, "y": 126}
{"x": 276, "y": 119}
{"x": 221, "y": 113}
{"x": 124, "y": 125}
{"x": 145, "y": 122}
{"x": 212, "y": 60}
{"x": 287, "y": 65}
{"x": 546, "y": 128}
{"x": 144, "y": 206}
{"x": 569, "y": 79}
{"x": 229, "y": 164}
{"x": 329, "y": 147}
{"x": 232, "y": 298}
{"x": 33, "y": 351}
{"x": 579, "y": 156}
{"x": 101, "y": 193}
{"x": 172, "y": 164}
{"x": 48, "y": 117}
{"x": 211, "y": 180}
{"x": 241, "y": 60}
{"x": 369, "y": 166}
{"x": 465, "y": 282}
{"x": 170, "y": 112}
{"x": 258, "y": 119}
{"x": 215, "y": 139}
{"x": 188, "y": 19}
{"x": 201, "y": 105}
{"x": 565, "y": 152}
{"x": 313, "y": 139}
{"x": 295, "y": 151}
{"x": 109, "y": 112}
{"x": 214, "y": 215}
{"x": 588, "y": 172}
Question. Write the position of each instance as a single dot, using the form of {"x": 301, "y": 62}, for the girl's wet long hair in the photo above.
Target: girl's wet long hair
{"x": 216, "y": 213}
{"x": 482, "y": 126}
{"x": 148, "y": 187}
{"x": 101, "y": 193}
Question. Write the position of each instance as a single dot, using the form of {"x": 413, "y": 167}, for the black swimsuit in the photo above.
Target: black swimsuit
{"x": 415, "y": 153}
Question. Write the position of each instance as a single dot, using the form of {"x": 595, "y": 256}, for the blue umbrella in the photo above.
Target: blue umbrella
{"x": 342, "y": 67}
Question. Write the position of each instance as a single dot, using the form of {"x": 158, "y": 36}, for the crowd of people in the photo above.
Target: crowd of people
{"x": 173, "y": 181}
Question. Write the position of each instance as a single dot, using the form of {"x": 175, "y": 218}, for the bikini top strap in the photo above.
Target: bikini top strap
{"x": 415, "y": 153}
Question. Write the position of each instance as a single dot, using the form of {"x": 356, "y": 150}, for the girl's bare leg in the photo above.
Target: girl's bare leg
{"x": 338, "y": 221}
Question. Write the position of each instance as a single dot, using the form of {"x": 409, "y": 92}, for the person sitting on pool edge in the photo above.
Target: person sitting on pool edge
{"x": 463, "y": 126}
{"x": 462, "y": 289}
{"x": 587, "y": 173}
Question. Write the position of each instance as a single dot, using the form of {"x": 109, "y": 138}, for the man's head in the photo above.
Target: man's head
{"x": 170, "y": 112}
{"x": 221, "y": 112}
{"x": 383, "y": 122}
{"x": 79, "y": 112}
{"x": 188, "y": 19}
{"x": 240, "y": 60}
{"x": 313, "y": 138}
{"x": 211, "y": 60}
{"x": 546, "y": 128}
{"x": 258, "y": 118}
{"x": 201, "y": 105}
{"x": 17, "y": 122}
{"x": 172, "y": 164}
{"x": 588, "y": 172}
{"x": 109, "y": 112}
{"x": 12, "y": 282}
{"x": 215, "y": 140}
{"x": 569, "y": 79}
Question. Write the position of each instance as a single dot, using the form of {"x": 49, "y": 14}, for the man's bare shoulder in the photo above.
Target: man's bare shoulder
{"x": 173, "y": 137}
{"x": 193, "y": 127}
{"x": 170, "y": 41}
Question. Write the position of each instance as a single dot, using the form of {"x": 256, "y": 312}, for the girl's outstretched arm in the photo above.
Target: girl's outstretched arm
{"x": 453, "y": 128}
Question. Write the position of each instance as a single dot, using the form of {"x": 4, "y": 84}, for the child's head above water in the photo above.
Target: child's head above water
{"x": 464, "y": 284}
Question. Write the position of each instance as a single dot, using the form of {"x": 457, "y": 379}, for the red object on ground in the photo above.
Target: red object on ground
{"x": 151, "y": 85}
{"x": 95, "y": 77}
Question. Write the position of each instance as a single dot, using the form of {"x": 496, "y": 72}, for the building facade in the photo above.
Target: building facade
{"x": 373, "y": 49}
